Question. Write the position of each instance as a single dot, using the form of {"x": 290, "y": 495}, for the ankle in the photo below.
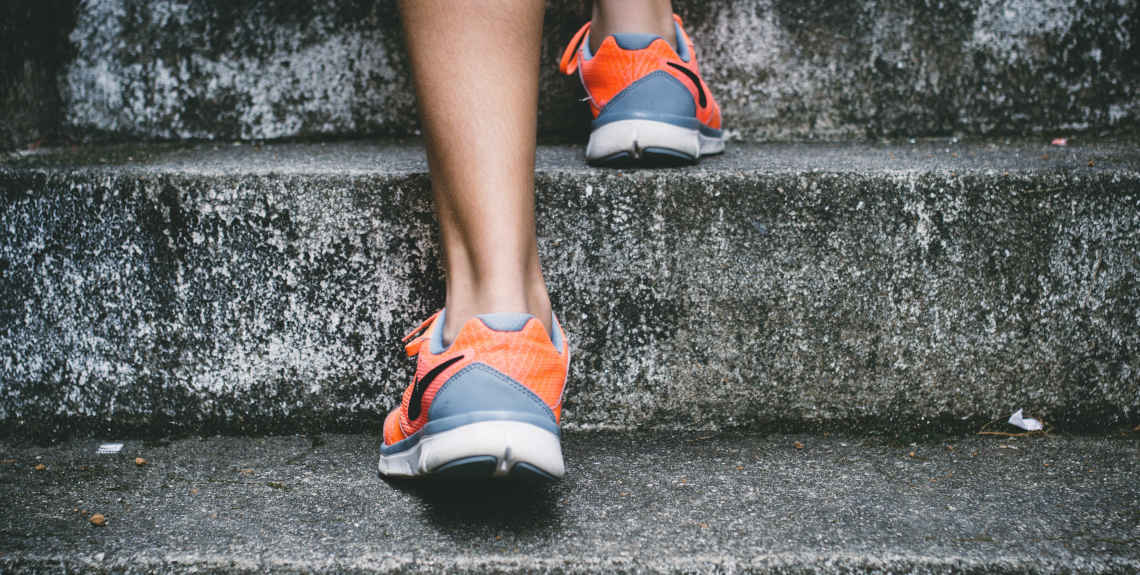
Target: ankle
{"x": 463, "y": 307}
{"x": 631, "y": 18}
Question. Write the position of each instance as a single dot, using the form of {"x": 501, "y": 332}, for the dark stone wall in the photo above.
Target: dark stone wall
{"x": 34, "y": 47}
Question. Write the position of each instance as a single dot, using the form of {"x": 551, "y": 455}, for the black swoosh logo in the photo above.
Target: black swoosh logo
{"x": 415, "y": 404}
{"x": 696, "y": 82}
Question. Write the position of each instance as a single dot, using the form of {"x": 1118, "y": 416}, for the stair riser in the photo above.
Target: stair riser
{"x": 275, "y": 302}
{"x": 780, "y": 68}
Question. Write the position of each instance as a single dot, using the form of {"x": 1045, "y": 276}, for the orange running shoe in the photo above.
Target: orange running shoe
{"x": 488, "y": 405}
{"x": 649, "y": 101}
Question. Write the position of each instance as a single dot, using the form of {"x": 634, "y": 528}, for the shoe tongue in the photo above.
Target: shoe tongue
{"x": 515, "y": 322}
{"x": 505, "y": 321}
{"x": 634, "y": 41}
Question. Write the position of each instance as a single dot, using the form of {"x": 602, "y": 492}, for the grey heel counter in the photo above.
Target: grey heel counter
{"x": 657, "y": 95}
{"x": 481, "y": 388}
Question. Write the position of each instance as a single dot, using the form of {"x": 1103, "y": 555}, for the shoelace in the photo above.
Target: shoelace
{"x": 412, "y": 348}
{"x": 568, "y": 64}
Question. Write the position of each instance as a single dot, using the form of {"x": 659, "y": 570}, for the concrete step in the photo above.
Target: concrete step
{"x": 631, "y": 503}
{"x": 265, "y": 288}
{"x": 780, "y": 68}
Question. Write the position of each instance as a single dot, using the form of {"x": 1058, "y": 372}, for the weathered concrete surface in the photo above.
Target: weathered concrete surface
{"x": 781, "y": 68}
{"x": 244, "y": 69}
{"x": 243, "y": 288}
{"x": 888, "y": 67}
{"x": 630, "y": 504}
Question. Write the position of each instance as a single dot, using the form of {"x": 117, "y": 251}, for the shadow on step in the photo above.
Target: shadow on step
{"x": 513, "y": 506}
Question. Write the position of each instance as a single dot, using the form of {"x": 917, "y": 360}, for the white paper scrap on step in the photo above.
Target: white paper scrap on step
{"x": 108, "y": 448}
{"x": 1026, "y": 423}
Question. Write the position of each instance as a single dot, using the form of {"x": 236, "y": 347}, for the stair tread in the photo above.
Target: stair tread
{"x": 665, "y": 502}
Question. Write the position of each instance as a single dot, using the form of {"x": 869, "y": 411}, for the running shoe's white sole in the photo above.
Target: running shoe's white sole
{"x": 486, "y": 448}
{"x": 625, "y": 140}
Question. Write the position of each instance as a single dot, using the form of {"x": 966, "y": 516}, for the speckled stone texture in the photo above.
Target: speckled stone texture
{"x": 266, "y": 287}
{"x": 780, "y": 68}
{"x": 631, "y": 503}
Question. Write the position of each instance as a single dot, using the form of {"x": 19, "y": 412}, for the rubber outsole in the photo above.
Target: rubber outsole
{"x": 486, "y": 449}
{"x": 649, "y": 157}
{"x": 486, "y": 467}
{"x": 648, "y": 142}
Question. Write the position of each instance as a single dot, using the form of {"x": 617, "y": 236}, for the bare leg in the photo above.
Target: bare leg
{"x": 476, "y": 76}
{"x": 631, "y": 16}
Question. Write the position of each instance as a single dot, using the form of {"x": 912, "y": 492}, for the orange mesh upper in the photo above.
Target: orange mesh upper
{"x": 392, "y": 431}
{"x": 526, "y": 356}
{"x": 613, "y": 68}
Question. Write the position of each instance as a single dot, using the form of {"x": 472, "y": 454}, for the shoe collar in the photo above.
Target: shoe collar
{"x": 502, "y": 322}
{"x": 579, "y": 47}
{"x": 641, "y": 42}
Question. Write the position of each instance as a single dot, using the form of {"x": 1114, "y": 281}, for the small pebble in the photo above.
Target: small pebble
{"x": 40, "y": 467}
{"x": 98, "y": 520}
{"x": 798, "y": 445}
{"x": 140, "y": 461}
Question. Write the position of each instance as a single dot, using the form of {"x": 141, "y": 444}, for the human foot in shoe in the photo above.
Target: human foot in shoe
{"x": 648, "y": 100}
{"x": 486, "y": 405}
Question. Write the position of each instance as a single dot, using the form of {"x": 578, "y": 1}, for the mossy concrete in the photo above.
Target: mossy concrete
{"x": 266, "y": 287}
